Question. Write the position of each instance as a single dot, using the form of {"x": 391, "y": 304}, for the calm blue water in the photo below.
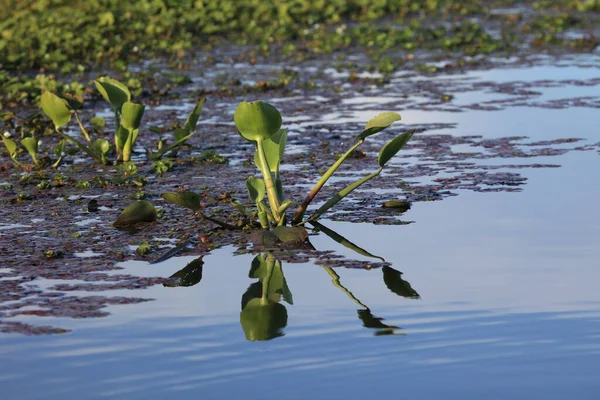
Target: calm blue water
{"x": 509, "y": 303}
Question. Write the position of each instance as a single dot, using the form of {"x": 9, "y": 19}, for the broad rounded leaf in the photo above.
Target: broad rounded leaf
{"x": 257, "y": 120}
{"x": 102, "y": 146}
{"x": 256, "y": 189}
{"x": 192, "y": 119}
{"x": 190, "y": 275}
{"x": 184, "y": 199}
{"x": 290, "y": 235}
{"x": 262, "y": 321}
{"x": 31, "y": 144}
{"x": 131, "y": 115}
{"x": 138, "y": 211}
{"x": 11, "y": 146}
{"x": 273, "y": 148}
{"x": 401, "y": 206}
{"x": 392, "y": 147}
{"x": 378, "y": 123}
{"x": 113, "y": 91}
{"x": 55, "y": 108}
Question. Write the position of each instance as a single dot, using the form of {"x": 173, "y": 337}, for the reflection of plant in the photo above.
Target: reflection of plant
{"x": 262, "y": 316}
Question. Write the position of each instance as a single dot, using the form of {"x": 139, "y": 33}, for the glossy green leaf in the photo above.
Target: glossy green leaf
{"x": 75, "y": 101}
{"x": 55, "y": 108}
{"x": 273, "y": 148}
{"x": 290, "y": 235}
{"x": 378, "y": 123}
{"x": 113, "y": 91}
{"x": 257, "y": 120}
{"x": 59, "y": 148}
{"x": 393, "y": 280}
{"x": 192, "y": 119}
{"x": 184, "y": 199}
{"x": 138, "y": 211}
{"x": 121, "y": 138}
{"x": 31, "y": 145}
{"x": 256, "y": 189}
{"x": 131, "y": 115}
{"x": 11, "y": 146}
{"x": 180, "y": 134}
{"x": 101, "y": 146}
{"x": 400, "y": 206}
{"x": 392, "y": 147}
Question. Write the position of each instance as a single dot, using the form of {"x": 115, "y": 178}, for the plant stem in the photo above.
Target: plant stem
{"x": 222, "y": 224}
{"x": 341, "y": 194}
{"x": 83, "y": 131}
{"x": 81, "y": 147}
{"x": 270, "y": 260}
{"x": 270, "y": 186}
{"x": 335, "y": 279}
{"x": 313, "y": 192}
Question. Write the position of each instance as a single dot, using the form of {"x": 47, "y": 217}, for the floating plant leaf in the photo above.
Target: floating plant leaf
{"x": 113, "y": 91}
{"x": 55, "y": 108}
{"x": 378, "y": 123}
{"x": 400, "y": 206}
{"x": 131, "y": 115}
{"x": 138, "y": 211}
{"x": 185, "y": 199}
{"x": 290, "y": 235}
{"x": 392, "y": 147}
{"x": 393, "y": 280}
{"x": 257, "y": 120}
{"x": 192, "y": 119}
{"x": 256, "y": 189}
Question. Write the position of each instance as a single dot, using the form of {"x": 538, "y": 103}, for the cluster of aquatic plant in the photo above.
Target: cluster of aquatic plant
{"x": 128, "y": 123}
{"x": 260, "y": 123}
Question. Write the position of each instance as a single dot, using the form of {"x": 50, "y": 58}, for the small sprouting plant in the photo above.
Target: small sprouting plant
{"x": 31, "y": 144}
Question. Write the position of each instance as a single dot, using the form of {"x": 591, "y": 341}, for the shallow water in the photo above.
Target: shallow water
{"x": 509, "y": 303}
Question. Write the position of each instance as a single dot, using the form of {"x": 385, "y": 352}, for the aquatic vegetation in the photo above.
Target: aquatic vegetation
{"x": 31, "y": 144}
{"x": 128, "y": 116}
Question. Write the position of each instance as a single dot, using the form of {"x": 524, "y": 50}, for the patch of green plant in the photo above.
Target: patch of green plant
{"x": 260, "y": 124}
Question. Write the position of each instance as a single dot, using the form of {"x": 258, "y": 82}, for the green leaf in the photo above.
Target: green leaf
{"x": 343, "y": 241}
{"x": 378, "y": 123}
{"x": 256, "y": 189}
{"x": 239, "y": 206}
{"x": 113, "y": 91}
{"x": 75, "y": 101}
{"x": 138, "y": 211}
{"x": 400, "y": 206}
{"x": 192, "y": 119}
{"x": 273, "y": 148}
{"x": 11, "y": 146}
{"x": 290, "y": 235}
{"x": 121, "y": 138}
{"x": 101, "y": 146}
{"x": 98, "y": 123}
{"x": 392, "y": 147}
{"x": 55, "y": 108}
{"x": 131, "y": 115}
{"x": 31, "y": 145}
{"x": 257, "y": 120}
{"x": 393, "y": 280}
{"x": 184, "y": 199}
{"x": 59, "y": 148}
{"x": 180, "y": 134}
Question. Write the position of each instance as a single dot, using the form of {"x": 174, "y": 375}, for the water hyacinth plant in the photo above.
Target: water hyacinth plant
{"x": 260, "y": 123}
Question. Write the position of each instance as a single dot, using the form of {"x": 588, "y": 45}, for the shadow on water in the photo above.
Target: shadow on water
{"x": 263, "y": 315}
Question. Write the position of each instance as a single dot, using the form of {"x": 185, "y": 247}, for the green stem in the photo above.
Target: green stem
{"x": 80, "y": 146}
{"x": 222, "y": 224}
{"x": 83, "y": 131}
{"x": 341, "y": 194}
{"x": 270, "y": 186}
{"x": 313, "y": 192}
